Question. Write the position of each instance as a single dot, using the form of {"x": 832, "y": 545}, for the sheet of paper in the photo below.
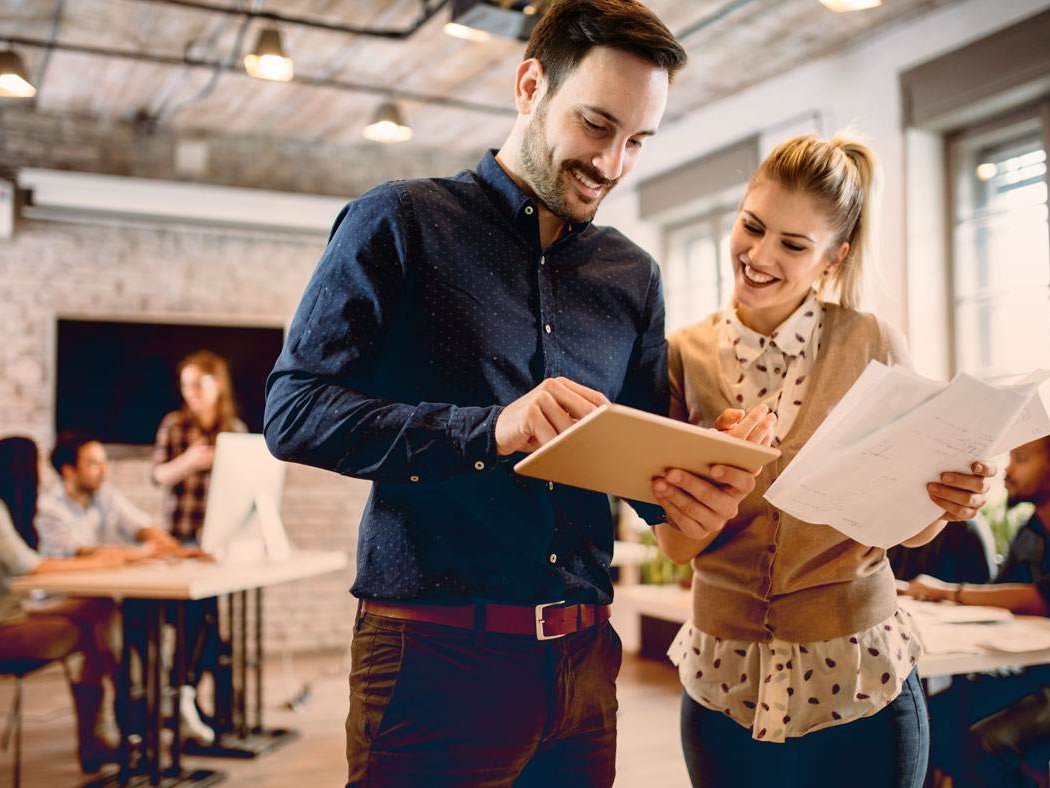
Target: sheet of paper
{"x": 865, "y": 474}
{"x": 1018, "y": 637}
{"x": 948, "y": 613}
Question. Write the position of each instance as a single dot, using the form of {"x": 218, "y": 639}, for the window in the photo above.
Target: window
{"x": 698, "y": 275}
{"x": 1001, "y": 248}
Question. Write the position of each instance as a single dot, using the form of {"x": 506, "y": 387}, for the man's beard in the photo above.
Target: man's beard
{"x": 537, "y": 158}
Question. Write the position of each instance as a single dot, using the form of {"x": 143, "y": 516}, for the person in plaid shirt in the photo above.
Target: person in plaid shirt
{"x": 182, "y": 460}
{"x": 185, "y": 445}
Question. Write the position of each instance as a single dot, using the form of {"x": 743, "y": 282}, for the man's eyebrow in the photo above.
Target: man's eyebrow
{"x": 615, "y": 120}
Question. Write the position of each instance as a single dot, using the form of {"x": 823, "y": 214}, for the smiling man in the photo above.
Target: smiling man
{"x": 451, "y": 325}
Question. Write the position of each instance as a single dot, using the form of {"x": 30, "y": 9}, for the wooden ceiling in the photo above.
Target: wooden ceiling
{"x": 731, "y": 44}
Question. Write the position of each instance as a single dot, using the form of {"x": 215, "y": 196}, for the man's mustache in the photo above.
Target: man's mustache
{"x": 591, "y": 174}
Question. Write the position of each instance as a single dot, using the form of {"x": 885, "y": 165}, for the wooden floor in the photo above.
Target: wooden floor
{"x": 649, "y": 755}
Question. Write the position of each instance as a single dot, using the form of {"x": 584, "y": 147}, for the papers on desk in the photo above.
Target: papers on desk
{"x": 864, "y": 471}
{"x": 971, "y": 629}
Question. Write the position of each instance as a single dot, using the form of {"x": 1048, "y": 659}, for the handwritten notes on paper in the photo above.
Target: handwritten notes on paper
{"x": 864, "y": 472}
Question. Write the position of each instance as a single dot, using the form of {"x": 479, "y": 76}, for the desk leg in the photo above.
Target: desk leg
{"x": 258, "y": 727}
{"x": 242, "y": 671}
{"x": 154, "y": 684}
{"x": 176, "y": 693}
{"x": 125, "y": 713}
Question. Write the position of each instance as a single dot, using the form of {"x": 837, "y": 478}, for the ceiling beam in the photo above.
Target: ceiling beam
{"x": 427, "y": 10}
{"x": 235, "y": 68}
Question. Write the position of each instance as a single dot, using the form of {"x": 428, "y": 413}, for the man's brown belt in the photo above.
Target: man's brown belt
{"x": 544, "y": 622}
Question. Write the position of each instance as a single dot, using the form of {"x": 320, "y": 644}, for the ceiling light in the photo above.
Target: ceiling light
{"x": 14, "y": 80}
{"x": 987, "y": 170}
{"x": 456, "y": 30}
{"x": 842, "y": 6}
{"x": 268, "y": 60}
{"x": 510, "y": 18}
{"x": 387, "y": 125}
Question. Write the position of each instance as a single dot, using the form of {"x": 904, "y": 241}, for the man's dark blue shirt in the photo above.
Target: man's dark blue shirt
{"x": 432, "y": 307}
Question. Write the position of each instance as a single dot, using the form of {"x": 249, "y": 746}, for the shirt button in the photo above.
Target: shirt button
{"x": 413, "y": 478}
{"x": 547, "y": 328}
{"x": 554, "y": 558}
{"x": 550, "y": 485}
{"x": 528, "y": 210}
{"x": 543, "y": 261}
{"x": 479, "y": 466}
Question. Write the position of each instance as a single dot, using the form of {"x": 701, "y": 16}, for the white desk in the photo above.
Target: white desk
{"x": 191, "y": 579}
{"x": 145, "y": 589}
{"x": 672, "y": 603}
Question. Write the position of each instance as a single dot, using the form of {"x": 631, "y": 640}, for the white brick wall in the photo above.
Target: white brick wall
{"x": 51, "y": 269}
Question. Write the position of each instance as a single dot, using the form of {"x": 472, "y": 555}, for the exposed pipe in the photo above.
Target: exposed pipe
{"x": 710, "y": 19}
{"x": 428, "y": 10}
{"x": 299, "y": 79}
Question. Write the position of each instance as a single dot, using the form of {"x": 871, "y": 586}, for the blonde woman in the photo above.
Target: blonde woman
{"x": 798, "y": 668}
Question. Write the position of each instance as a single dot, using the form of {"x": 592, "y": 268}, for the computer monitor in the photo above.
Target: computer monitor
{"x": 242, "y": 522}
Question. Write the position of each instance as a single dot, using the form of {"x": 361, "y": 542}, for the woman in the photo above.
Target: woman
{"x": 185, "y": 445}
{"x": 796, "y": 636}
{"x": 63, "y": 627}
{"x": 182, "y": 460}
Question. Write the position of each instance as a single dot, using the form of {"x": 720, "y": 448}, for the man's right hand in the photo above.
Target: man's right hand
{"x": 545, "y": 412}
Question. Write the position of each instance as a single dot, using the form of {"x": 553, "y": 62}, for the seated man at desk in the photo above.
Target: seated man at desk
{"x": 83, "y": 515}
{"x": 1010, "y": 740}
{"x": 964, "y": 552}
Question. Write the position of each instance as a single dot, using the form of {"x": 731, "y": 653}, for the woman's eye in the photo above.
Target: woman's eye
{"x": 793, "y": 247}
{"x": 754, "y": 229}
{"x": 592, "y": 126}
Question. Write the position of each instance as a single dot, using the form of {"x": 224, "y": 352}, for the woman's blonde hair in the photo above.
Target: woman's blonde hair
{"x": 842, "y": 174}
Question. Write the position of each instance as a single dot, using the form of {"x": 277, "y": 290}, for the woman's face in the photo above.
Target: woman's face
{"x": 780, "y": 246}
{"x": 199, "y": 390}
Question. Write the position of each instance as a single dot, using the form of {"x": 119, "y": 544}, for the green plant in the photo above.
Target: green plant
{"x": 1004, "y": 521}
{"x": 661, "y": 570}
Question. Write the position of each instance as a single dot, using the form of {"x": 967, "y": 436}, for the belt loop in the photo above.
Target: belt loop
{"x": 360, "y": 615}
{"x": 479, "y": 624}
{"x": 579, "y": 617}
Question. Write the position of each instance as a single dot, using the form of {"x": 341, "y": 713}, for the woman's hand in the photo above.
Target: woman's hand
{"x": 199, "y": 457}
{"x": 759, "y": 425}
{"x": 699, "y": 507}
{"x": 963, "y": 495}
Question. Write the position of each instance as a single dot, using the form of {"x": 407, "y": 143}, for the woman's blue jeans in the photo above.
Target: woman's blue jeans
{"x": 889, "y": 749}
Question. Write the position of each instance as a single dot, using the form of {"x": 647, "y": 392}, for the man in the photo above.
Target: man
{"x": 451, "y": 325}
{"x": 83, "y": 514}
{"x": 1013, "y": 742}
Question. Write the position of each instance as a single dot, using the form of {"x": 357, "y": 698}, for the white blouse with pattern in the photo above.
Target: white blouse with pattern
{"x": 779, "y": 689}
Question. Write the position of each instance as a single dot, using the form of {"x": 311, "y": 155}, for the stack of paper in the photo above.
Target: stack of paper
{"x": 864, "y": 472}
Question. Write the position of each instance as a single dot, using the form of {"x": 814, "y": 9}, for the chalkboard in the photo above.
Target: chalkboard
{"x": 116, "y": 380}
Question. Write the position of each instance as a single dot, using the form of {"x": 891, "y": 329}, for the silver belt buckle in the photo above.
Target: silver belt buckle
{"x": 540, "y": 634}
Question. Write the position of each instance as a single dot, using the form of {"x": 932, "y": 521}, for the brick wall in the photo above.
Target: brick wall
{"x": 174, "y": 273}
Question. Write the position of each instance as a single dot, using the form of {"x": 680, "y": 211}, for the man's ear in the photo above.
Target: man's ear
{"x": 530, "y": 85}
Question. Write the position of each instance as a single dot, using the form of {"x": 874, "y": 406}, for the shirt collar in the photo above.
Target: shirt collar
{"x": 519, "y": 207}
{"x": 790, "y": 337}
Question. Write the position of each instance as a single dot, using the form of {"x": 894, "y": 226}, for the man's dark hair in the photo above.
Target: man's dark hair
{"x": 571, "y": 28}
{"x": 67, "y": 448}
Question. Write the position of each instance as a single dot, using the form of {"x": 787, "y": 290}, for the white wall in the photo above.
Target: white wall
{"x": 857, "y": 87}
